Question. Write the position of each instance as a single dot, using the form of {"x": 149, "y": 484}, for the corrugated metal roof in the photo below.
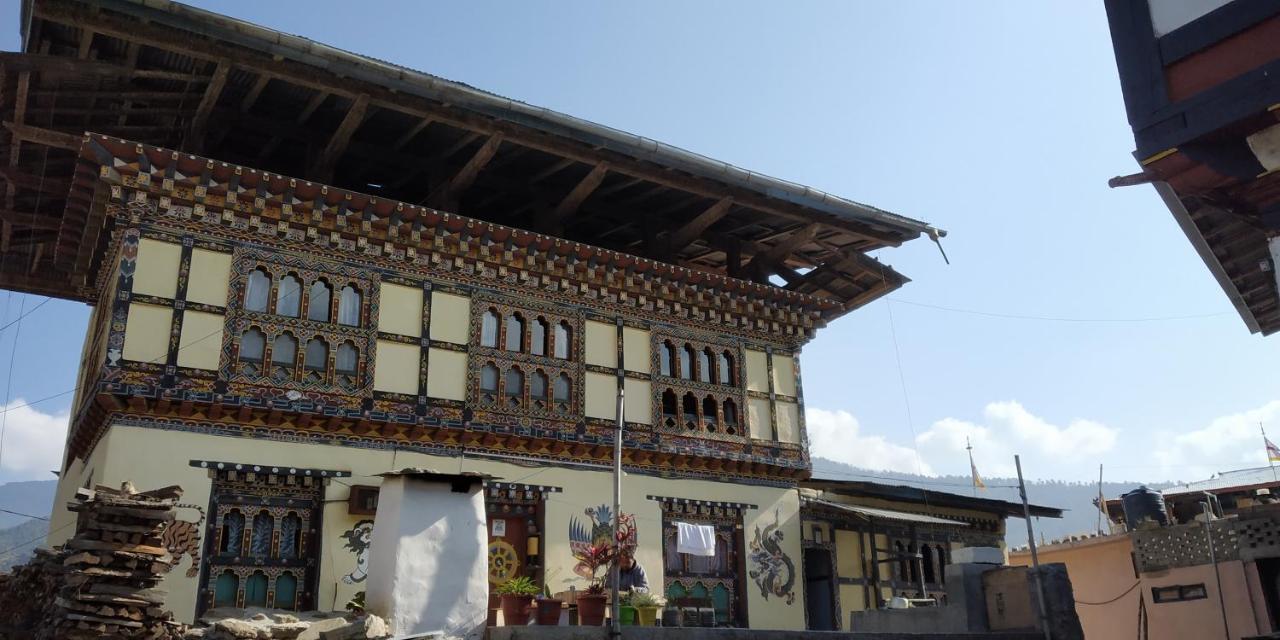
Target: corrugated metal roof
{"x": 1238, "y": 479}
{"x": 888, "y": 514}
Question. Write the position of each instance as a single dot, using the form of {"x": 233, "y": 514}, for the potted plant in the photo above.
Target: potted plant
{"x": 626, "y": 611}
{"x": 517, "y": 594}
{"x": 591, "y": 604}
{"x": 549, "y": 608}
{"x": 647, "y": 606}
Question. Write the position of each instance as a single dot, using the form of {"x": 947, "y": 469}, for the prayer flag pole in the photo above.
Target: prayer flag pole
{"x": 1272, "y": 453}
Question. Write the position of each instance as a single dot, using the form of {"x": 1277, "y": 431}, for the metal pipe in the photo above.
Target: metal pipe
{"x": 1035, "y": 557}
{"x": 1213, "y": 560}
{"x": 615, "y": 625}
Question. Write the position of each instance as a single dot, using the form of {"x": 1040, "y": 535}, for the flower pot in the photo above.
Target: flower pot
{"x": 549, "y": 611}
{"x": 626, "y": 615}
{"x": 591, "y": 609}
{"x": 515, "y": 610}
{"x": 647, "y": 616}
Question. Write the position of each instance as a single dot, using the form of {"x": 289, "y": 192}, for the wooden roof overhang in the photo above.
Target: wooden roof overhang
{"x": 903, "y": 493}
{"x": 177, "y": 77}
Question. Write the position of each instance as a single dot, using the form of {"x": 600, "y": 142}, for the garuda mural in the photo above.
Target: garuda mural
{"x": 600, "y": 534}
{"x": 773, "y": 571}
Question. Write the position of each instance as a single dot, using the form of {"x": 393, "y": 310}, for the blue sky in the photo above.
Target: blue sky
{"x": 998, "y": 121}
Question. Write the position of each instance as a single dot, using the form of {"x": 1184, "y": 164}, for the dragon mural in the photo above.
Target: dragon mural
{"x": 773, "y": 570}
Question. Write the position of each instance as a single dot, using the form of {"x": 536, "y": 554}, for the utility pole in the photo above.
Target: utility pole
{"x": 1213, "y": 560}
{"x": 1102, "y": 503}
{"x": 1035, "y": 557}
{"x": 615, "y": 628}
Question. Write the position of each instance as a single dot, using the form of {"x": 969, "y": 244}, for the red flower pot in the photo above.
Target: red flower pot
{"x": 549, "y": 611}
{"x": 515, "y": 610}
{"x": 591, "y": 609}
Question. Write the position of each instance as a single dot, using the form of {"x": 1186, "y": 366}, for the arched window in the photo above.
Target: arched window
{"x": 489, "y": 329}
{"x": 318, "y": 304}
{"x": 226, "y": 589}
{"x": 349, "y": 306}
{"x": 538, "y": 336}
{"x": 257, "y": 291}
{"x": 690, "y": 411}
{"x": 563, "y": 392}
{"x": 564, "y": 340}
{"x": 263, "y": 526}
{"x": 252, "y": 345}
{"x": 347, "y": 359}
{"x": 667, "y": 359}
{"x": 286, "y": 591}
{"x": 704, "y": 366}
{"x": 284, "y": 354}
{"x": 289, "y": 296}
{"x": 290, "y": 540}
{"x": 255, "y": 590}
{"x": 730, "y": 416}
{"x": 513, "y": 388}
{"x": 670, "y": 408}
{"x": 709, "y": 418}
{"x": 489, "y": 383}
{"x": 538, "y": 388}
{"x": 317, "y": 357}
{"x": 686, "y": 362}
{"x": 232, "y": 532}
{"x": 514, "y": 338}
{"x": 726, "y": 369}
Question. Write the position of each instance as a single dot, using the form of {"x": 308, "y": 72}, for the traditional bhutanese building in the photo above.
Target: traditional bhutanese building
{"x": 867, "y": 542}
{"x": 308, "y": 268}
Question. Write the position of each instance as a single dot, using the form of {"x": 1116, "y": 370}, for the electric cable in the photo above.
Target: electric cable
{"x": 25, "y": 515}
{"x": 1126, "y": 592}
{"x": 34, "y": 540}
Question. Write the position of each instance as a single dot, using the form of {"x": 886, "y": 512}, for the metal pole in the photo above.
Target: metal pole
{"x": 1102, "y": 503}
{"x": 615, "y": 628}
{"x": 1035, "y": 557}
{"x": 1213, "y": 560}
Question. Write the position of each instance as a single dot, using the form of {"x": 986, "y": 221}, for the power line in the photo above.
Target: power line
{"x": 34, "y": 540}
{"x": 1017, "y": 316}
{"x": 25, "y": 515}
{"x": 29, "y": 312}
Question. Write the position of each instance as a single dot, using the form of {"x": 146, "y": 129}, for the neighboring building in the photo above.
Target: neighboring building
{"x": 273, "y": 338}
{"x": 1200, "y": 91}
{"x": 866, "y": 542}
{"x": 1160, "y": 578}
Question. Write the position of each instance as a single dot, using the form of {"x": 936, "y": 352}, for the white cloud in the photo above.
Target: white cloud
{"x": 33, "y": 442}
{"x": 836, "y": 435}
{"x": 1227, "y": 442}
{"x": 1008, "y": 428}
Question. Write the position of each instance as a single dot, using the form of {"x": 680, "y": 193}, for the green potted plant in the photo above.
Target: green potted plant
{"x": 647, "y": 606}
{"x": 626, "y": 611}
{"x": 591, "y": 604}
{"x": 517, "y": 594}
{"x": 548, "y": 608}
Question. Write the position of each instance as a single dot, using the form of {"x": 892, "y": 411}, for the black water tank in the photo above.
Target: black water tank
{"x": 1143, "y": 504}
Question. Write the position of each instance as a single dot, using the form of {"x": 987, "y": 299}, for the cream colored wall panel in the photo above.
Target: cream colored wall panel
{"x": 396, "y": 369}
{"x": 788, "y": 422}
{"x": 146, "y": 336}
{"x": 602, "y": 344}
{"x": 848, "y": 556}
{"x": 157, "y": 270}
{"x": 784, "y": 375}
{"x": 639, "y": 401}
{"x": 757, "y": 370}
{"x": 602, "y": 395}
{"x": 450, "y": 317}
{"x": 852, "y": 598}
{"x": 400, "y": 310}
{"x": 210, "y": 277}
{"x": 447, "y": 374}
{"x": 759, "y": 421}
{"x": 200, "y": 346}
{"x": 636, "y": 349}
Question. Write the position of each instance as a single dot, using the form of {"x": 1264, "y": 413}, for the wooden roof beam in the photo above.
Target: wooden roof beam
{"x": 195, "y": 137}
{"x": 255, "y": 92}
{"x": 777, "y": 253}
{"x": 44, "y": 184}
{"x": 29, "y": 220}
{"x": 553, "y": 219}
{"x": 693, "y": 229}
{"x": 412, "y": 133}
{"x": 323, "y": 168}
{"x": 313, "y": 103}
{"x": 47, "y": 137}
{"x": 447, "y": 194}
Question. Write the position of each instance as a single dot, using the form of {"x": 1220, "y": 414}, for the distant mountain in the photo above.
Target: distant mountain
{"x": 17, "y": 542}
{"x": 1075, "y": 498}
{"x": 34, "y": 497}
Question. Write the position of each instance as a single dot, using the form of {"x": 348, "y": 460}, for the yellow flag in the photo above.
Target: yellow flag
{"x": 977, "y": 479}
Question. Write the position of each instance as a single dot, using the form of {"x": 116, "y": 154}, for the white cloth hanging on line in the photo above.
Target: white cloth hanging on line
{"x": 696, "y": 539}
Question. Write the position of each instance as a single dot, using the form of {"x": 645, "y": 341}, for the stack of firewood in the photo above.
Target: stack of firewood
{"x": 102, "y": 582}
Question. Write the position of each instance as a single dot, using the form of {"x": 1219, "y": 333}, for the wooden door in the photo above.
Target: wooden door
{"x": 508, "y": 548}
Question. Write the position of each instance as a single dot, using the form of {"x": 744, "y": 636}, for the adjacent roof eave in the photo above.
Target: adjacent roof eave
{"x": 886, "y": 514}
{"x": 907, "y": 493}
{"x": 425, "y": 85}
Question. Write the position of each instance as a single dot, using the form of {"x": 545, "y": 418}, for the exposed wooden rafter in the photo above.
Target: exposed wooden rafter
{"x": 691, "y": 230}
{"x": 551, "y": 220}
{"x": 195, "y": 135}
{"x": 778, "y": 252}
{"x": 447, "y": 194}
{"x": 323, "y": 168}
